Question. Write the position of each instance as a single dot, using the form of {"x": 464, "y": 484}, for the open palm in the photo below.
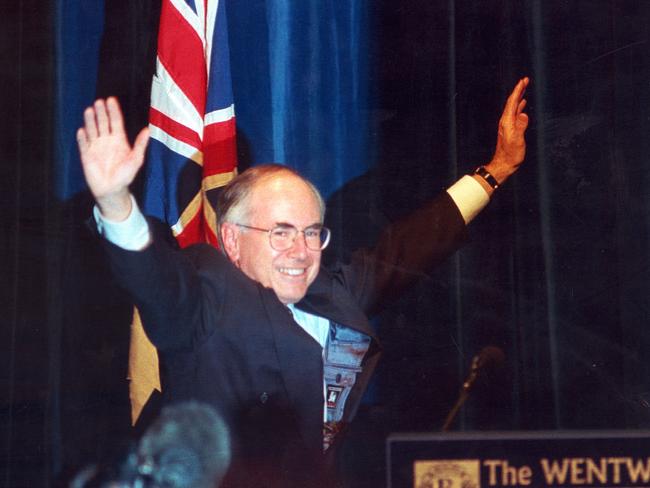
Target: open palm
{"x": 108, "y": 160}
{"x": 511, "y": 143}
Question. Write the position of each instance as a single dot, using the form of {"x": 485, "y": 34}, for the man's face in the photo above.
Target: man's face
{"x": 281, "y": 199}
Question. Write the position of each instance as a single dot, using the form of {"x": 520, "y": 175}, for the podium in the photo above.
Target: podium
{"x": 586, "y": 459}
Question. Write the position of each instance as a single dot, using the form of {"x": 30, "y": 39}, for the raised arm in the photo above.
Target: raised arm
{"x": 511, "y": 144}
{"x": 408, "y": 248}
{"x": 162, "y": 283}
{"x": 108, "y": 160}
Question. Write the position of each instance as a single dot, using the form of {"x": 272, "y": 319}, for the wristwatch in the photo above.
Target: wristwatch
{"x": 487, "y": 176}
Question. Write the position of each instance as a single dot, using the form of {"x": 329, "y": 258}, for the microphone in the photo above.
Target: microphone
{"x": 489, "y": 358}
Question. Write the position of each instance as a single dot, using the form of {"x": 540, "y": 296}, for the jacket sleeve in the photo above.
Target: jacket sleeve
{"x": 405, "y": 251}
{"x": 168, "y": 287}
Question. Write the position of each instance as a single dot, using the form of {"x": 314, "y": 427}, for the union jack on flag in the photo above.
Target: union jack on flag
{"x": 192, "y": 150}
{"x": 192, "y": 119}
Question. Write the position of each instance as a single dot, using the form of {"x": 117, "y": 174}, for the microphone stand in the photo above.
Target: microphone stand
{"x": 464, "y": 393}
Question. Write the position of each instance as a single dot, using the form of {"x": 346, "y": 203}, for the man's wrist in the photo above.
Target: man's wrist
{"x": 116, "y": 208}
{"x": 131, "y": 233}
{"x": 486, "y": 177}
{"x": 500, "y": 170}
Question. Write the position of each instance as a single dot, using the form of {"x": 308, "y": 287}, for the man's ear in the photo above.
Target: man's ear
{"x": 230, "y": 238}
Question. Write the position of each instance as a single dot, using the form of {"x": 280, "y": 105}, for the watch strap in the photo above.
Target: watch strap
{"x": 487, "y": 176}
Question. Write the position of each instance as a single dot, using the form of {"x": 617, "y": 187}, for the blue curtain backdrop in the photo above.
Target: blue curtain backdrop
{"x": 382, "y": 104}
{"x": 300, "y": 75}
{"x": 79, "y": 27}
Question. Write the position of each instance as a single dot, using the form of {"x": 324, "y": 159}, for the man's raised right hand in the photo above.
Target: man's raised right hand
{"x": 109, "y": 162}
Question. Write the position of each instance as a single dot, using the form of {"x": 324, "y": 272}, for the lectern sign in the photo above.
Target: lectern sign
{"x": 519, "y": 459}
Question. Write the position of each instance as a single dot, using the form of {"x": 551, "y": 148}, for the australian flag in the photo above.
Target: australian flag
{"x": 192, "y": 150}
{"x": 192, "y": 119}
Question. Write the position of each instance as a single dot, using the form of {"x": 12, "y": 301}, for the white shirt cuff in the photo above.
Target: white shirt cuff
{"x": 131, "y": 234}
{"x": 469, "y": 196}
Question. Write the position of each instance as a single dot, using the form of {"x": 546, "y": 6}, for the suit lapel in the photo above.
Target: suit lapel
{"x": 300, "y": 359}
{"x": 335, "y": 304}
{"x": 300, "y": 356}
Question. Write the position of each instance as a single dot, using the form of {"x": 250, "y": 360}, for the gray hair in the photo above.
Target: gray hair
{"x": 187, "y": 446}
{"x": 233, "y": 204}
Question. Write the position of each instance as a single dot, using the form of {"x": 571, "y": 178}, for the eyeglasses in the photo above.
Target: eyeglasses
{"x": 282, "y": 237}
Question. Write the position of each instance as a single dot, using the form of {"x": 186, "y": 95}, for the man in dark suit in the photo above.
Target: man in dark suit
{"x": 281, "y": 347}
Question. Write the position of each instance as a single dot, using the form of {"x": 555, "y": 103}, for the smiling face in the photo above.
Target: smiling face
{"x": 282, "y": 198}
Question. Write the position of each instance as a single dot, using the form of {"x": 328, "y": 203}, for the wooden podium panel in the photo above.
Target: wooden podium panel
{"x": 586, "y": 459}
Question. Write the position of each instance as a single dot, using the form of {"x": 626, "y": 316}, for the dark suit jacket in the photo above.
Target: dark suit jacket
{"x": 226, "y": 340}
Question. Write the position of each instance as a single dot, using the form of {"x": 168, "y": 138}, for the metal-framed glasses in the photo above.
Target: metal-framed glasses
{"x": 282, "y": 237}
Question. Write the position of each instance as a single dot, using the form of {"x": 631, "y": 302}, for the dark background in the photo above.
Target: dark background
{"x": 556, "y": 273}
